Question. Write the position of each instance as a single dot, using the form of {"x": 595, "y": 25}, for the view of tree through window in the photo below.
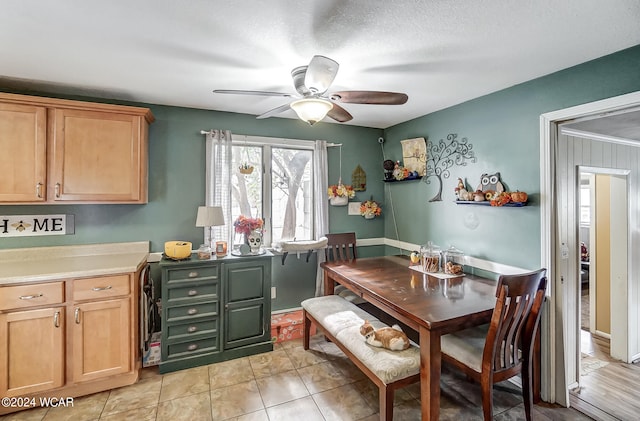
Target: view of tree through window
{"x": 279, "y": 189}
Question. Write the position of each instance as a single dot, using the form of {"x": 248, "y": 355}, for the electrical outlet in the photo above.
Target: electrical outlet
{"x": 273, "y": 293}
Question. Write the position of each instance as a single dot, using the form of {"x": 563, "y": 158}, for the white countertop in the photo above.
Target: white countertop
{"x": 37, "y": 264}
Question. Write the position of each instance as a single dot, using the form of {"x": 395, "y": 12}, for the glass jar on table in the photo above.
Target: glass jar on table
{"x": 430, "y": 257}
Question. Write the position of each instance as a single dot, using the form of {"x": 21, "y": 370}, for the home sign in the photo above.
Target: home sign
{"x": 36, "y": 225}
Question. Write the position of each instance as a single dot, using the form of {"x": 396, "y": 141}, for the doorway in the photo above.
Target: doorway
{"x": 603, "y": 261}
{"x": 560, "y": 249}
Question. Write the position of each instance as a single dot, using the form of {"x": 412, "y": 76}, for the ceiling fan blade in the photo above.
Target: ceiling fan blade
{"x": 274, "y": 111}
{"x": 339, "y": 114}
{"x": 261, "y": 93}
{"x": 370, "y": 97}
{"x": 320, "y": 74}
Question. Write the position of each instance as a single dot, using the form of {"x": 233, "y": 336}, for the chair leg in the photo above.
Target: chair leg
{"x": 386, "y": 403}
{"x": 527, "y": 389}
{"x": 307, "y": 330}
{"x": 486, "y": 387}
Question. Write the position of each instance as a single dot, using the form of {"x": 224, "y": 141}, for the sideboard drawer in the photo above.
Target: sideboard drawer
{"x": 192, "y": 311}
{"x": 32, "y": 295}
{"x": 192, "y": 329}
{"x": 193, "y": 274}
{"x": 184, "y": 349}
{"x": 193, "y": 291}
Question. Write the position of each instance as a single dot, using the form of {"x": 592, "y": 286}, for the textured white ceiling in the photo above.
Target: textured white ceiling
{"x": 175, "y": 52}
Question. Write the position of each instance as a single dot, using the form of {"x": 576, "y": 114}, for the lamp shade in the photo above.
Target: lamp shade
{"x": 209, "y": 216}
{"x": 311, "y": 110}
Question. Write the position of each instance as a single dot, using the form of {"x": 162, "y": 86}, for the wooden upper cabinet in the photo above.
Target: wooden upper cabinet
{"x": 23, "y": 160}
{"x": 86, "y": 152}
{"x": 98, "y": 157}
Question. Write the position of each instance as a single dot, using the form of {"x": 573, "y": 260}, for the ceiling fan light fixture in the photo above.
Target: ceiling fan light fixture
{"x": 311, "y": 110}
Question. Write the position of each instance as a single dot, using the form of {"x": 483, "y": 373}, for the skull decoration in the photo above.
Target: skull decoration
{"x": 255, "y": 240}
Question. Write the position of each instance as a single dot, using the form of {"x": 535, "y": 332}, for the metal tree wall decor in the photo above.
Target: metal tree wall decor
{"x": 443, "y": 155}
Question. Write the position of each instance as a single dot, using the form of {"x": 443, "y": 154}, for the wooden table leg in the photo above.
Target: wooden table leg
{"x": 329, "y": 284}
{"x": 430, "y": 363}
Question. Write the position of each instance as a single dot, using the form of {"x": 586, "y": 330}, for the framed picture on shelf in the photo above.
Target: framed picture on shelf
{"x": 414, "y": 155}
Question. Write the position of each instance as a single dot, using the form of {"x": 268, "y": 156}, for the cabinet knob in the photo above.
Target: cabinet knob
{"x": 57, "y": 190}
{"x": 192, "y": 347}
{"x": 192, "y": 329}
{"x": 56, "y": 319}
{"x": 77, "y": 316}
{"x": 193, "y": 274}
{"x": 101, "y": 288}
{"x": 192, "y": 292}
{"x": 39, "y": 190}
{"x": 192, "y": 311}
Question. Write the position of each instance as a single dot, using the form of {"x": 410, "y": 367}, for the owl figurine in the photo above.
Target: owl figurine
{"x": 491, "y": 182}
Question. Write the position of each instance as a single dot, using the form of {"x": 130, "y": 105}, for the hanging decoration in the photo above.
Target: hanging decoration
{"x": 339, "y": 194}
{"x": 369, "y": 209}
{"x": 443, "y": 155}
{"x": 359, "y": 179}
{"x": 245, "y": 167}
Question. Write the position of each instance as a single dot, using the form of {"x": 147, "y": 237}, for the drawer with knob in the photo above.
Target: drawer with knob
{"x": 32, "y": 295}
{"x": 193, "y": 347}
{"x": 193, "y": 291}
{"x": 192, "y": 311}
{"x": 192, "y": 329}
{"x": 191, "y": 274}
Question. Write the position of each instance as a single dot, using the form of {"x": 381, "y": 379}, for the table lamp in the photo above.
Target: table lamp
{"x": 209, "y": 216}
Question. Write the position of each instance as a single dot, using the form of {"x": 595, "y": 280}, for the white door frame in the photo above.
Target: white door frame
{"x": 555, "y": 359}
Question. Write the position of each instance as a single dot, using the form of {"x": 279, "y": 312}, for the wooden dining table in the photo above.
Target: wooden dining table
{"x": 431, "y": 304}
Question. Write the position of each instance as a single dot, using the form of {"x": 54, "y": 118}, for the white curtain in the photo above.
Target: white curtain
{"x": 218, "y": 181}
{"x": 320, "y": 171}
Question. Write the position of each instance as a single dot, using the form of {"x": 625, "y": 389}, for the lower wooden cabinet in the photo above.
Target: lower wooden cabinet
{"x": 214, "y": 310}
{"x": 53, "y": 345}
{"x": 101, "y": 339}
{"x": 34, "y": 344}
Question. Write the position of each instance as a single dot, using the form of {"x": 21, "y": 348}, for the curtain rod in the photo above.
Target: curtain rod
{"x": 329, "y": 145}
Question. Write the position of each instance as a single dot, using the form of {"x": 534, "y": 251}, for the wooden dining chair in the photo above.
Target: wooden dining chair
{"x": 504, "y": 348}
{"x": 341, "y": 247}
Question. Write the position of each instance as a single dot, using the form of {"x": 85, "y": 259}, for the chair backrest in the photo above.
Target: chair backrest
{"x": 515, "y": 320}
{"x": 341, "y": 247}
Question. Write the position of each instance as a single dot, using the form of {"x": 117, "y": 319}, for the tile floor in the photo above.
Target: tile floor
{"x": 286, "y": 384}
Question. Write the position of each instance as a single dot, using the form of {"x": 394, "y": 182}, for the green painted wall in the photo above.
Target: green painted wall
{"x": 503, "y": 128}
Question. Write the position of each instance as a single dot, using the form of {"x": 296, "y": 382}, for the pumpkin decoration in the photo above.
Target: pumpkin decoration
{"x": 519, "y": 196}
{"x": 501, "y": 199}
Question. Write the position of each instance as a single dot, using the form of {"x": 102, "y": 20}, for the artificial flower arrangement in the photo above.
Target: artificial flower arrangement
{"x": 370, "y": 209}
{"x": 340, "y": 190}
{"x": 244, "y": 225}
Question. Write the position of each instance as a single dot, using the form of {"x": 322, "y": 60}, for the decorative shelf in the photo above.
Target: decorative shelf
{"x": 404, "y": 179}
{"x": 488, "y": 203}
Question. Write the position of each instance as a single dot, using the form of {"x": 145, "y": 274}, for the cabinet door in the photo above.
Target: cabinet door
{"x": 32, "y": 349}
{"x": 101, "y": 339}
{"x": 23, "y": 153}
{"x": 247, "y": 303}
{"x": 98, "y": 157}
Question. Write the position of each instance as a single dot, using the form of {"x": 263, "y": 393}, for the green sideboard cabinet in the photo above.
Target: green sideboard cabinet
{"x": 214, "y": 310}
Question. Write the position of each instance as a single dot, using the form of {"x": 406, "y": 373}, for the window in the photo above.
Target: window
{"x": 279, "y": 189}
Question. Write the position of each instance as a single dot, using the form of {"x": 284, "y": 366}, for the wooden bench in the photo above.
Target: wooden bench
{"x": 340, "y": 321}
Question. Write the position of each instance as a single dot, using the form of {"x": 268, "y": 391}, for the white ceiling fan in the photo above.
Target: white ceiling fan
{"x": 314, "y": 103}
